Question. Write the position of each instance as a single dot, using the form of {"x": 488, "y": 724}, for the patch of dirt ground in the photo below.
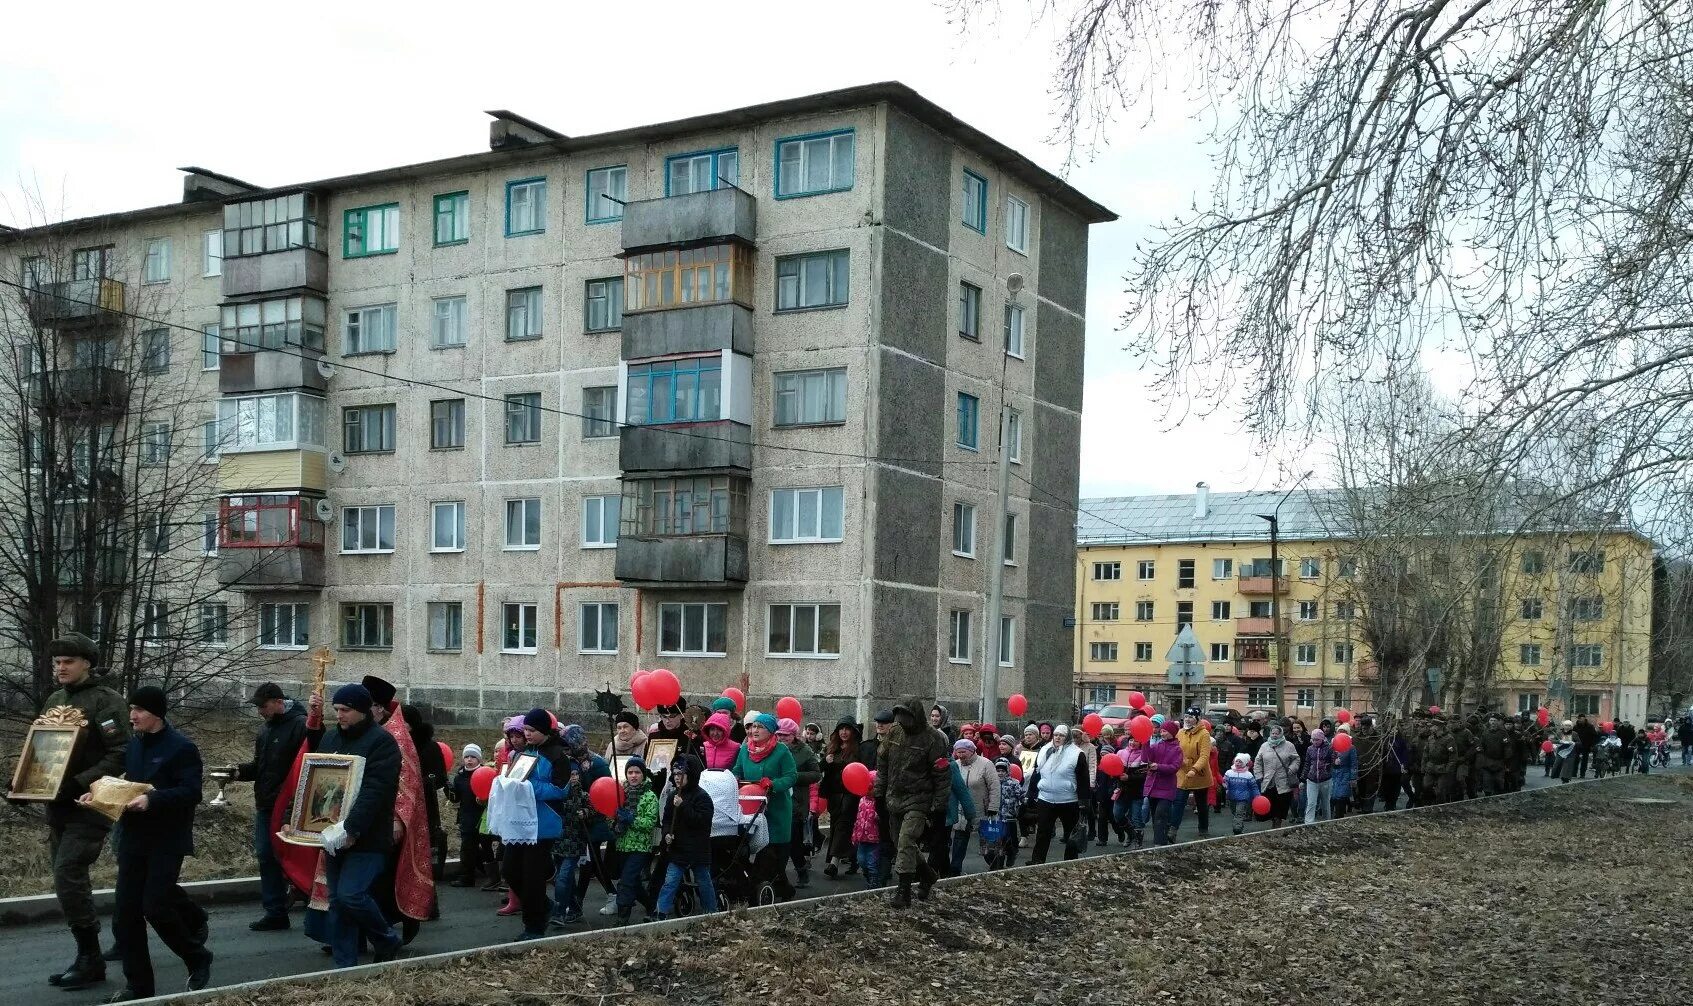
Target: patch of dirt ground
{"x": 1562, "y": 895}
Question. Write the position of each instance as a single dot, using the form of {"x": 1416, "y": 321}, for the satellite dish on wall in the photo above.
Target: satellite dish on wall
{"x": 337, "y": 463}
{"x": 325, "y": 368}
{"x": 1014, "y": 284}
{"x": 324, "y": 510}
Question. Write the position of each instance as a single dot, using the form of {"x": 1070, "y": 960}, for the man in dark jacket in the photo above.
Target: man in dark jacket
{"x": 1586, "y": 741}
{"x": 157, "y": 833}
{"x": 274, "y": 750}
{"x": 687, "y": 836}
{"x": 914, "y": 775}
{"x": 1493, "y": 750}
{"x": 357, "y": 849}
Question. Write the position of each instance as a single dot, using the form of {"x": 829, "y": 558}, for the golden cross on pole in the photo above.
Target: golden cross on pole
{"x": 321, "y": 659}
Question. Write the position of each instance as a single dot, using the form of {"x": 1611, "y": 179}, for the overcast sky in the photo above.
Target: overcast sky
{"x": 100, "y": 102}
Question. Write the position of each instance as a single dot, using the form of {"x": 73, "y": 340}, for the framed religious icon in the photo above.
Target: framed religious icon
{"x": 329, "y": 783}
{"x": 520, "y": 767}
{"x": 661, "y": 752}
{"x": 619, "y": 766}
{"x": 46, "y": 755}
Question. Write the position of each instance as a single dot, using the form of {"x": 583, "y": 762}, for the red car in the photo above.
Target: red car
{"x": 1115, "y": 716}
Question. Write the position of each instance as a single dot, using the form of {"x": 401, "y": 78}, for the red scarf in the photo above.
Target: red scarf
{"x": 757, "y": 755}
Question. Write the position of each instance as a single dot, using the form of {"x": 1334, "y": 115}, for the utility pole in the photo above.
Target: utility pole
{"x": 996, "y": 576}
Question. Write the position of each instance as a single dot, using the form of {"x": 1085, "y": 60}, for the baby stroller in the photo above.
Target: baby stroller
{"x": 734, "y": 874}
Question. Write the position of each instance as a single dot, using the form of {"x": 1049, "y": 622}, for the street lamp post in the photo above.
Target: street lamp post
{"x": 1274, "y": 519}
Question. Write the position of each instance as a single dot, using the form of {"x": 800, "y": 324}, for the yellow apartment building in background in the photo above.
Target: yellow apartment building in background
{"x": 1577, "y": 609}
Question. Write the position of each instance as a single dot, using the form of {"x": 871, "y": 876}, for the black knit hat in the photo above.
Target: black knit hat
{"x": 150, "y": 698}
{"x": 628, "y": 717}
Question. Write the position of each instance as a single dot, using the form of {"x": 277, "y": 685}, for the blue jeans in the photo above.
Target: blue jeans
{"x": 1177, "y": 807}
{"x": 870, "y": 862}
{"x": 960, "y": 845}
{"x": 673, "y": 879}
{"x": 629, "y": 885}
{"x": 564, "y": 887}
{"x": 1687, "y": 754}
{"x": 352, "y": 911}
{"x": 273, "y": 885}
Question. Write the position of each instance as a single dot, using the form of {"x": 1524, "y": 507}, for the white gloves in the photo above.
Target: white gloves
{"x": 334, "y": 838}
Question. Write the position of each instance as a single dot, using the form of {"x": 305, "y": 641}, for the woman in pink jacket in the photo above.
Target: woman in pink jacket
{"x": 1165, "y": 757}
{"x": 720, "y": 752}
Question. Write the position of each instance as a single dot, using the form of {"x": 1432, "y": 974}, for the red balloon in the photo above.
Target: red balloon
{"x": 752, "y": 799}
{"x": 1206, "y": 724}
{"x": 606, "y": 795}
{"x": 1343, "y": 716}
{"x": 1017, "y": 771}
{"x": 1543, "y": 716}
{"x": 637, "y": 678}
{"x": 446, "y": 754}
{"x": 1092, "y": 724}
{"x": 482, "y": 782}
{"x": 1136, "y": 700}
{"x": 856, "y": 778}
{"x": 1111, "y": 765}
{"x": 1547, "y": 747}
{"x": 1606, "y": 726}
{"x": 1140, "y": 728}
{"x": 1149, "y": 709}
{"x": 1260, "y": 805}
{"x": 1434, "y": 710}
{"x": 788, "y": 708}
{"x": 663, "y": 688}
{"x": 641, "y": 687}
{"x": 1342, "y": 743}
{"x": 1017, "y": 704}
{"x": 739, "y": 696}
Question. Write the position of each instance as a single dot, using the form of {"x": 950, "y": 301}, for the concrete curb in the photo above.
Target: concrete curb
{"x": 648, "y": 930}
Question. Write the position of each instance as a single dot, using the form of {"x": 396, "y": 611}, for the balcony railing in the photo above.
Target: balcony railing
{"x": 1254, "y": 667}
{"x": 81, "y": 390}
{"x": 713, "y": 215}
{"x": 105, "y": 565}
{"x": 268, "y": 525}
{"x": 1258, "y": 625}
{"x": 1253, "y": 583}
{"x": 695, "y": 560}
{"x": 77, "y": 302}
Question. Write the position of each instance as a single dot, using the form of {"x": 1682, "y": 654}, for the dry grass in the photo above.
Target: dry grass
{"x": 1485, "y": 902}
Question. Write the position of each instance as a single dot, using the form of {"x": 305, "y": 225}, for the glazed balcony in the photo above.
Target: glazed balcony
{"x": 77, "y": 303}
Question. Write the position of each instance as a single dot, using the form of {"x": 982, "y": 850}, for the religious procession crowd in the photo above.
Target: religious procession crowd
{"x": 696, "y": 813}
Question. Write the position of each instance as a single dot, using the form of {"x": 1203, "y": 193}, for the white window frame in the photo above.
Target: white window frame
{"x": 1008, "y": 540}
{"x": 1108, "y": 571}
{"x": 454, "y": 424}
{"x": 611, "y": 181}
{"x": 1344, "y": 652}
{"x": 527, "y": 623}
{"x": 1007, "y": 641}
{"x": 964, "y": 530}
{"x": 821, "y": 498}
{"x": 1527, "y": 650}
{"x": 520, "y": 410}
{"x": 596, "y": 610}
{"x": 371, "y": 511}
{"x": 155, "y": 351}
{"x": 1260, "y": 695}
{"x": 211, "y": 253}
{"x": 219, "y": 626}
{"x": 1220, "y": 611}
{"x": 449, "y": 326}
{"x": 599, "y": 420}
{"x": 457, "y": 509}
{"x": 595, "y": 512}
{"x": 958, "y": 644}
{"x": 1146, "y": 608}
{"x": 1014, "y": 436}
{"x": 1305, "y": 654}
{"x": 211, "y": 347}
{"x": 525, "y": 311}
{"x": 791, "y": 610}
{"x": 1016, "y": 225}
{"x": 1309, "y": 610}
{"x": 1588, "y": 655}
{"x": 155, "y": 264}
{"x": 155, "y": 623}
{"x": 1103, "y": 652}
{"x": 1310, "y": 568}
{"x": 1107, "y": 611}
{"x": 1146, "y": 569}
{"x": 211, "y": 441}
{"x": 522, "y": 506}
{"x": 1219, "y": 653}
{"x": 448, "y": 616}
{"x": 679, "y": 611}
{"x": 1538, "y": 607}
{"x": 1305, "y": 698}
{"x": 299, "y": 615}
{"x": 1222, "y": 569}
{"x": 369, "y": 329}
{"x": 155, "y": 443}
{"x": 1014, "y": 331}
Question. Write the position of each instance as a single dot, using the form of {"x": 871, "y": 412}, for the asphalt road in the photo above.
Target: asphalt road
{"x": 467, "y": 921}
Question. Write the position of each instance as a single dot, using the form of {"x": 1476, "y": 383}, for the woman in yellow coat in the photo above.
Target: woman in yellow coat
{"x": 1194, "y": 777}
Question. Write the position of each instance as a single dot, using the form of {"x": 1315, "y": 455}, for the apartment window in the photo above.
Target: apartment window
{"x": 1219, "y": 653}
{"x": 676, "y": 391}
{"x": 446, "y": 624}
{"x": 1106, "y": 653}
{"x": 1532, "y": 609}
{"x": 1185, "y": 573}
{"x": 523, "y": 418}
{"x": 1587, "y": 655}
{"x": 1584, "y": 705}
{"x": 1143, "y": 611}
{"x": 274, "y": 224}
{"x": 284, "y": 421}
{"x": 1007, "y": 641}
{"x": 964, "y": 530}
{"x": 1220, "y": 611}
{"x": 702, "y": 172}
{"x": 1310, "y": 568}
{"x": 1260, "y": 695}
{"x": 970, "y": 311}
{"x": 811, "y": 281}
{"x": 1101, "y": 695}
{"x": 446, "y": 526}
{"x": 969, "y": 433}
{"x": 804, "y": 630}
{"x": 1344, "y": 611}
{"x": 370, "y": 330}
{"x": 713, "y": 274}
{"x": 523, "y": 524}
{"x": 523, "y": 314}
{"x": 1107, "y": 611}
{"x": 282, "y": 323}
{"x": 799, "y": 516}
{"x": 1348, "y": 567}
{"x": 603, "y": 305}
{"x": 1222, "y": 569}
{"x": 211, "y": 348}
{"x": 209, "y": 534}
{"x": 446, "y": 424}
{"x": 155, "y": 443}
{"x": 1014, "y": 331}
{"x": 1587, "y": 609}
{"x": 1143, "y": 652}
{"x": 1308, "y": 611}
{"x": 600, "y": 517}
{"x": 1145, "y": 569}
{"x": 155, "y": 350}
{"x": 608, "y": 190}
{"x": 214, "y": 624}
{"x": 450, "y": 327}
{"x": 91, "y": 263}
{"x": 452, "y": 220}
{"x": 599, "y": 412}
{"x": 155, "y": 534}
{"x": 1343, "y": 653}
{"x": 367, "y": 626}
{"x": 693, "y": 630}
{"x": 155, "y": 622}
{"x": 1217, "y": 696}
{"x": 1305, "y": 654}
{"x": 1008, "y": 543}
{"x": 367, "y": 429}
{"x": 370, "y": 230}
{"x": 526, "y": 207}
{"x": 1014, "y": 436}
{"x": 812, "y": 165}
{"x": 1339, "y": 697}
{"x": 1534, "y": 562}
{"x": 284, "y": 626}
{"x": 1017, "y": 225}
{"x": 1306, "y": 698}
{"x": 155, "y": 268}
{"x": 810, "y": 397}
{"x": 1529, "y": 654}
{"x": 519, "y": 634}
{"x": 1258, "y": 609}
{"x": 1184, "y": 613}
{"x": 596, "y": 630}
{"x": 958, "y": 646}
{"x": 211, "y": 253}
{"x": 1528, "y": 702}
{"x": 1107, "y": 571}
{"x": 367, "y": 528}
{"x": 975, "y": 202}
{"x": 1591, "y": 561}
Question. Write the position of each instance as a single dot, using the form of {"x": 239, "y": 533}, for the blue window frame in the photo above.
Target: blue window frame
{"x": 526, "y": 206}
{"x": 370, "y": 230}
{"x": 675, "y": 391}
{"x": 814, "y": 164}
{"x": 452, "y": 218}
{"x": 975, "y": 202}
{"x": 608, "y": 190}
{"x": 969, "y": 433}
{"x": 702, "y": 171}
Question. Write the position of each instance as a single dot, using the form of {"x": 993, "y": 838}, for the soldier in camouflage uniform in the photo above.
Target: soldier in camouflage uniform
{"x": 1435, "y": 748}
{"x": 1462, "y": 781}
{"x": 1493, "y": 756}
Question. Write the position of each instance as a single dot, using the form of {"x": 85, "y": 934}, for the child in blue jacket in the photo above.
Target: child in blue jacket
{"x": 1242, "y": 788}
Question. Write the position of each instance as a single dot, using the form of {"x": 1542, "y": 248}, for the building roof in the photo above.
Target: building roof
{"x": 899, "y": 95}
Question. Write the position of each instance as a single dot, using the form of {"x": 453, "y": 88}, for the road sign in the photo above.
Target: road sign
{"x": 1185, "y": 648}
{"x": 1187, "y": 674}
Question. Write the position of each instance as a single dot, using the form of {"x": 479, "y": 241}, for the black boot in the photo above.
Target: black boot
{"x": 88, "y": 968}
{"x": 926, "y": 882}
{"x": 902, "y": 896}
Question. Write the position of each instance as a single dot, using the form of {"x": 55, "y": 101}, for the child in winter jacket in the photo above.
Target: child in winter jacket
{"x": 634, "y": 826}
{"x": 1242, "y": 788}
{"x": 1003, "y": 851}
{"x": 867, "y": 840}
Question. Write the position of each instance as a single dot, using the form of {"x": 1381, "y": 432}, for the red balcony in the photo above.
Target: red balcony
{"x": 1254, "y": 668}
{"x": 1249, "y": 584}
{"x": 1258, "y": 626}
{"x": 269, "y": 543}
